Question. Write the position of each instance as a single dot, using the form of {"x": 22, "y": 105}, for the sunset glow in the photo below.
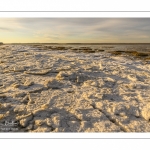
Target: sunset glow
{"x": 75, "y": 30}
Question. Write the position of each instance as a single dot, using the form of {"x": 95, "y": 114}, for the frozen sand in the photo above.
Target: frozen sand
{"x": 64, "y": 91}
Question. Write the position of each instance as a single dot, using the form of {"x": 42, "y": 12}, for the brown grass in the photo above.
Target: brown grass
{"x": 141, "y": 54}
{"x": 115, "y": 52}
{"x": 85, "y": 48}
{"x": 74, "y": 49}
{"x": 135, "y": 54}
{"x": 58, "y": 48}
{"x": 89, "y": 51}
{"x": 147, "y": 59}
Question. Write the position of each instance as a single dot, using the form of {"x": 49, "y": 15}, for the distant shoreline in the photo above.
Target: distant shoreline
{"x": 83, "y": 43}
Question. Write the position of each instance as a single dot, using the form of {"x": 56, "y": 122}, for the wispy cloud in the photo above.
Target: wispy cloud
{"x": 5, "y": 29}
{"x": 75, "y": 29}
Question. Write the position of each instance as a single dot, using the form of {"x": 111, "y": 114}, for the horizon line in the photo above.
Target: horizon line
{"x": 74, "y": 43}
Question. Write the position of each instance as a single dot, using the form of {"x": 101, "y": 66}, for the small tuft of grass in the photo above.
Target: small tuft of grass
{"x": 85, "y": 48}
{"x": 147, "y": 59}
{"x": 141, "y": 54}
{"x": 137, "y": 54}
{"x": 74, "y": 49}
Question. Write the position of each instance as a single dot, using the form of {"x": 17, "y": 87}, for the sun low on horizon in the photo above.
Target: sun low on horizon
{"x": 75, "y": 30}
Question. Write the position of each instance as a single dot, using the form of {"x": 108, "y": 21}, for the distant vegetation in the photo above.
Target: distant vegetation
{"x": 1, "y": 43}
{"x": 142, "y": 55}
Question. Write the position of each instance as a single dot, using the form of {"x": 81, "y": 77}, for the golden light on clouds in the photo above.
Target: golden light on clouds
{"x": 75, "y": 30}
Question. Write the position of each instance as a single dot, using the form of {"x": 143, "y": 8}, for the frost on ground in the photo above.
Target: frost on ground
{"x": 67, "y": 91}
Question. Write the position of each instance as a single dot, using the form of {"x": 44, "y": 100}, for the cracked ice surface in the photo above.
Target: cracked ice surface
{"x": 64, "y": 91}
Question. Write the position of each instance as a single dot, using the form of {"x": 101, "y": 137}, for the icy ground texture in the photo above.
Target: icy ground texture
{"x": 63, "y": 91}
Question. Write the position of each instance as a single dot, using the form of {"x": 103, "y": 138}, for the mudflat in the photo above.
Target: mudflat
{"x": 72, "y": 89}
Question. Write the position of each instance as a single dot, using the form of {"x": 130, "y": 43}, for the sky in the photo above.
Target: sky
{"x": 75, "y": 30}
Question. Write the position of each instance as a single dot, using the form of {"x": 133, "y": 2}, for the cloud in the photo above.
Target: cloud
{"x": 5, "y": 29}
{"x": 77, "y": 29}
